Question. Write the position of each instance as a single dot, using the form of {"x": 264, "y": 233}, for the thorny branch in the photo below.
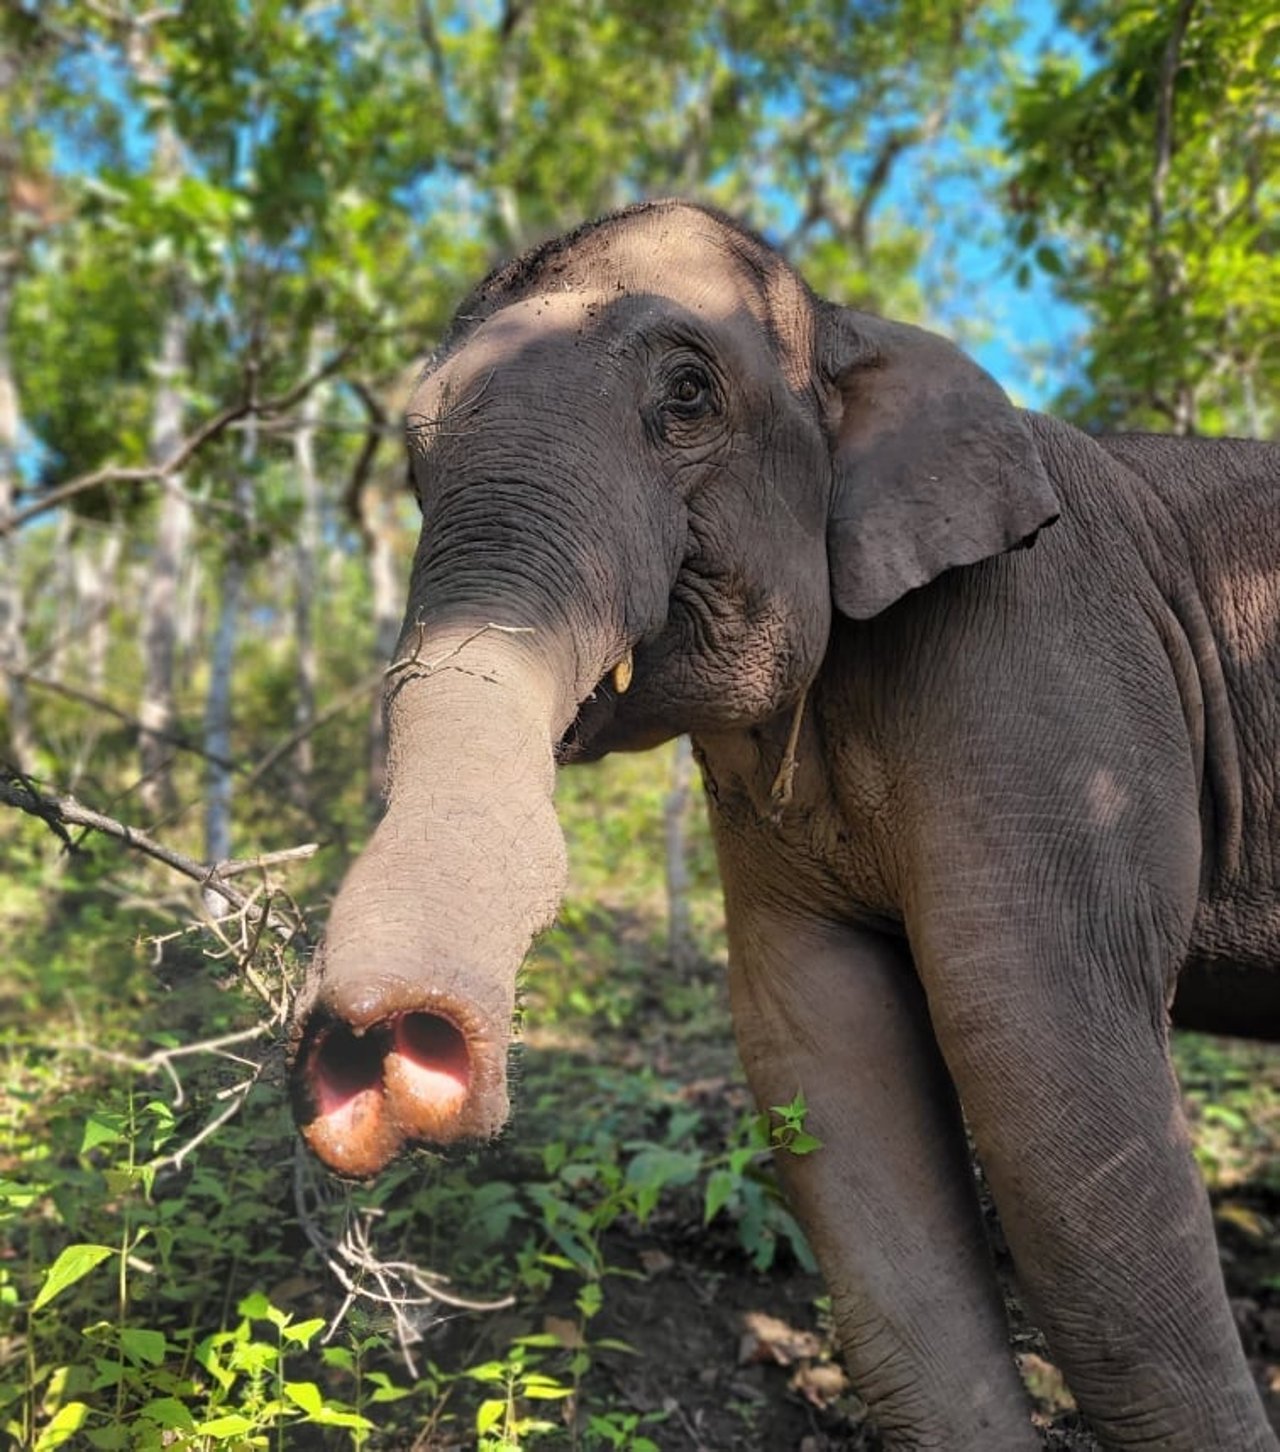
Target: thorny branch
{"x": 240, "y": 933}
{"x": 398, "y": 1285}
{"x": 421, "y": 669}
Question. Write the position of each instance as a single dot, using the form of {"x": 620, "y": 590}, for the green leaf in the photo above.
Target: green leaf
{"x": 255, "y": 1307}
{"x": 551, "y": 1392}
{"x": 803, "y": 1143}
{"x": 169, "y": 1413}
{"x": 720, "y": 1187}
{"x": 331, "y": 1416}
{"x": 654, "y": 1169}
{"x": 66, "y": 1422}
{"x": 102, "y": 1128}
{"x": 303, "y": 1332}
{"x": 306, "y": 1394}
{"x": 109, "y": 1438}
{"x": 75, "y": 1262}
{"x": 590, "y": 1299}
{"x": 232, "y": 1424}
{"x": 143, "y": 1348}
{"x": 489, "y": 1414}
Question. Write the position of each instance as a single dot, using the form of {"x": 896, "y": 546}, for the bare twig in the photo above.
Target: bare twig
{"x": 424, "y": 668}
{"x": 57, "y": 813}
{"x": 350, "y": 1256}
{"x": 192, "y": 444}
{"x": 161, "y": 1061}
{"x": 73, "y": 693}
{"x": 241, "y": 1093}
{"x": 267, "y": 859}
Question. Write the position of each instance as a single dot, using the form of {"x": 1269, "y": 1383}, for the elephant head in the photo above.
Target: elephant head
{"x": 650, "y": 464}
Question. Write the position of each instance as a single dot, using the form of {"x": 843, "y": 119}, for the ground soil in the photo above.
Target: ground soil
{"x": 688, "y": 1319}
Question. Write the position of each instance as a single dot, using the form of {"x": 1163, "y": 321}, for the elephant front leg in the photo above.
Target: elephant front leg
{"x": 1062, "y": 1063}
{"x": 888, "y": 1201}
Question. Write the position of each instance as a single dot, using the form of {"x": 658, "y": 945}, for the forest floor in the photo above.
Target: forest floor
{"x": 659, "y": 1293}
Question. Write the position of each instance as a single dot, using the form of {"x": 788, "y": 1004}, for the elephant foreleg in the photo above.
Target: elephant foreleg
{"x": 1061, "y": 1060}
{"x": 888, "y": 1201}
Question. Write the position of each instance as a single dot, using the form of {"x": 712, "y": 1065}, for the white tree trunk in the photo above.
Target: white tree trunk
{"x": 218, "y": 713}
{"x": 175, "y": 526}
{"x": 96, "y": 560}
{"x": 160, "y": 607}
{"x": 306, "y": 567}
{"x": 377, "y": 518}
{"x": 59, "y": 588}
{"x": 19, "y": 749}
{"x": 681, "y": 949}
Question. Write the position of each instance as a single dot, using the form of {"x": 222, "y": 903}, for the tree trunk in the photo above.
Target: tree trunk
{"x": 96, "y": 562}
{"x": 680, "y": 945}
{"x": 20, "y": 748}
{"x": 306, "y": 564}
{"x": 218, "y": 702}
{"x": 377, "y": 522}
{"x": 160, "y": 608}
{"x": 175, "y": 526}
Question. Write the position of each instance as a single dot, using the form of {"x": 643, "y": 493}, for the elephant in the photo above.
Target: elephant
{"x": 987, "y": 712}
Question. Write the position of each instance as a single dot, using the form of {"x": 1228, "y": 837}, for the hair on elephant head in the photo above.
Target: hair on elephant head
{"x": 667, "y": 489}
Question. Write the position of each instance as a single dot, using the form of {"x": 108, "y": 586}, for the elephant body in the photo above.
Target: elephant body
{"x": 988, "y": 715}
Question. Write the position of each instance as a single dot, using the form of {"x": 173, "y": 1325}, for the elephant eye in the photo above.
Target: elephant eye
{"x": 689, "y": 392}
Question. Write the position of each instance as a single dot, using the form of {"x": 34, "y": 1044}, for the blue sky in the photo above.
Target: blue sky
{"x": 1032, "y": 336}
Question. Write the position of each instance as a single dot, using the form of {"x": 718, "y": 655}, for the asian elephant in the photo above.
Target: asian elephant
{"x": 988, "y": 716}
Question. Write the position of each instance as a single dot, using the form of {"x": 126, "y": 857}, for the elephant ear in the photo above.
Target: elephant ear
{"x": 933, "y": 466}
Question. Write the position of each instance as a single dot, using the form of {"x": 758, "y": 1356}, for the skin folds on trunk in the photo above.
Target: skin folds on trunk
{"x": 405, "y": 1029}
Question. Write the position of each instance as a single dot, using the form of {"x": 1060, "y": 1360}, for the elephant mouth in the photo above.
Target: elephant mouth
{"x": 594, "y": 715}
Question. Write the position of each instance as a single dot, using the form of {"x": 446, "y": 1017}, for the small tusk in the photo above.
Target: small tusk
{"x": 621, "y": 674}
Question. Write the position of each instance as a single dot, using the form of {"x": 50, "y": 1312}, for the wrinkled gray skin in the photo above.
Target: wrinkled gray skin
{"x": 1034, "y": 786}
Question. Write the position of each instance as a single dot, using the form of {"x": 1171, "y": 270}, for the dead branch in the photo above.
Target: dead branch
{"x": 161, "y": 1061}
{"x": 350, "y": 1257}
{"x": 249, "y": 404}
{"x": 17, "y": 790}
{"x": 85, "y": 698}
{"x": 283, "y": 747}
{"x": 267, "y": 859}
{"x": 422, "y": 669}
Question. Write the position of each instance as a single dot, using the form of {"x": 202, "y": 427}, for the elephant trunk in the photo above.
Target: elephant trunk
{"x": 402, "y": 1032}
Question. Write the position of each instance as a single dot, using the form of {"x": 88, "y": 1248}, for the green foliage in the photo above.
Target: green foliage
{"x": 169, "y": 1307}
{"x": 1232, "y": 1094}
{"x": 1145, "y": 185}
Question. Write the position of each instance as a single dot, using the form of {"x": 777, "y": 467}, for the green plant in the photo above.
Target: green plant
{"x": 738, "y": 1184}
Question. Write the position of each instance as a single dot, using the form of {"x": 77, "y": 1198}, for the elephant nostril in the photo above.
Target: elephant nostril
{"x": 434, "y": 1051}
{"x": 344, "y": 1066}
